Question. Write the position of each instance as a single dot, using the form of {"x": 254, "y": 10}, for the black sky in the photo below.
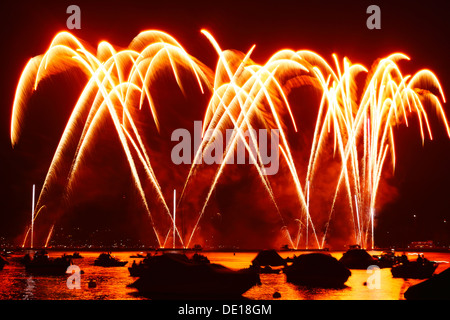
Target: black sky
{"x": 419, "y": 29}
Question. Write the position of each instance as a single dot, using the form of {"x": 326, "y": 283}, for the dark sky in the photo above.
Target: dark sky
{"x": 419, "y": 29}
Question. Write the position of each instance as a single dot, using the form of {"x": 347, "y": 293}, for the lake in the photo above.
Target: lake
{"x": 112, "y": 283}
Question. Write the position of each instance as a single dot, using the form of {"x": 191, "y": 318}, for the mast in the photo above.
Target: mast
{"x": 307, "y": 213}
{"x": 32, "y": 215}
{"x": 174, "y": 214}
{"x": 371, "y": 217}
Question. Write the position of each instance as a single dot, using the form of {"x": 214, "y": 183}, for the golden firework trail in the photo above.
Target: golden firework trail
{"x": 244, "y": 95}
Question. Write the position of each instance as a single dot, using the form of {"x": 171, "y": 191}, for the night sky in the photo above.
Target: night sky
{"x": 419, "y": 186}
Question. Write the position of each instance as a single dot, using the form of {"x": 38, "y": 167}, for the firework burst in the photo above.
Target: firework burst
{"x": 243, "y": 95}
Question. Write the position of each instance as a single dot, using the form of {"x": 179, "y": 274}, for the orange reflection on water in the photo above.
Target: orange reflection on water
{"x": 112, "y": 283}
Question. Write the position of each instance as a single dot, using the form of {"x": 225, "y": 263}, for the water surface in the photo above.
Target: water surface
{"x": 112, "y": 283}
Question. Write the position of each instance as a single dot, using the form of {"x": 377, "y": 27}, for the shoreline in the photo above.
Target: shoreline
{"x": 150, "y": 249}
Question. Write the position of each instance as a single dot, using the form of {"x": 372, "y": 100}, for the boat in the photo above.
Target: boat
{"x": 174, "y": 275}
{"x": 357, "y": 258}
{"x": 137, "y": 269}
{"x": 199, "y": 258}
{"x": 414, "y": 270}
{"x": 264, "y": 262}
{"x": 25, "y": 259}
{"x": 138, "y": 255}
{"x": 435, "y": 288}
{"x": 317, "y": 270}
{"x": 269, "y": 270}
{"x": 387, "y": 259}
{"x": 268, "y": 258}
{"x": 42, "y": 264}
{"x": 107, "y": 260}
{"x": 92, "y": 284}
{"x": 77, "y": 255}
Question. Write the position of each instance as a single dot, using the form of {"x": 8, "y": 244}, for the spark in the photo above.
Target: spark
{"x": 360, "y": 122}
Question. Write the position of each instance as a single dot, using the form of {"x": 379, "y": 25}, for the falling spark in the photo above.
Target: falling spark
{"x": 359, "y": 122}
{"x": 49, "y": 236}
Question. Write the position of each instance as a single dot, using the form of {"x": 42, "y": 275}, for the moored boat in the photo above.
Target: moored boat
{"x": 107, "y": 260}
{"x": 268, "y": 258}
{"x": 387, "y": 259}
{"x": 176, "y": 276}
{"x": 138, "y": 255}
{"x": 77, "y": 255}
{"x": 317, "y": 270}
{"x": 42, "y": 264}
{"x": 414, "y": 270}
{"x": 137, "y": 269}
{"x": 357, "y": 258}
{"x": 269, "y": 270}
{"x": 435, "y": 288}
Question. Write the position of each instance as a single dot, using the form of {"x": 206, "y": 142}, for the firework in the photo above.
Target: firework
{"x": 243, "y": 95}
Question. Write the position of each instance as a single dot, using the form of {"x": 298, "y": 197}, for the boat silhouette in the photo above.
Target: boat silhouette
{"x": 268, "y": 258}
{"x": 269, "y": 270}
{"x": 317, "y": 270}
{"x": 387, "y": 259}
{"x": 107, "y": 260}
{"x": 174, "y": 275}
{"x": 42, "y": 264}
{"x": 137, "y": 269}
{"x": 435, "y": 288}
{"x": 357, "y": 258}
{"x": 414, "y": 270}
{"x": 76, "y": 255}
